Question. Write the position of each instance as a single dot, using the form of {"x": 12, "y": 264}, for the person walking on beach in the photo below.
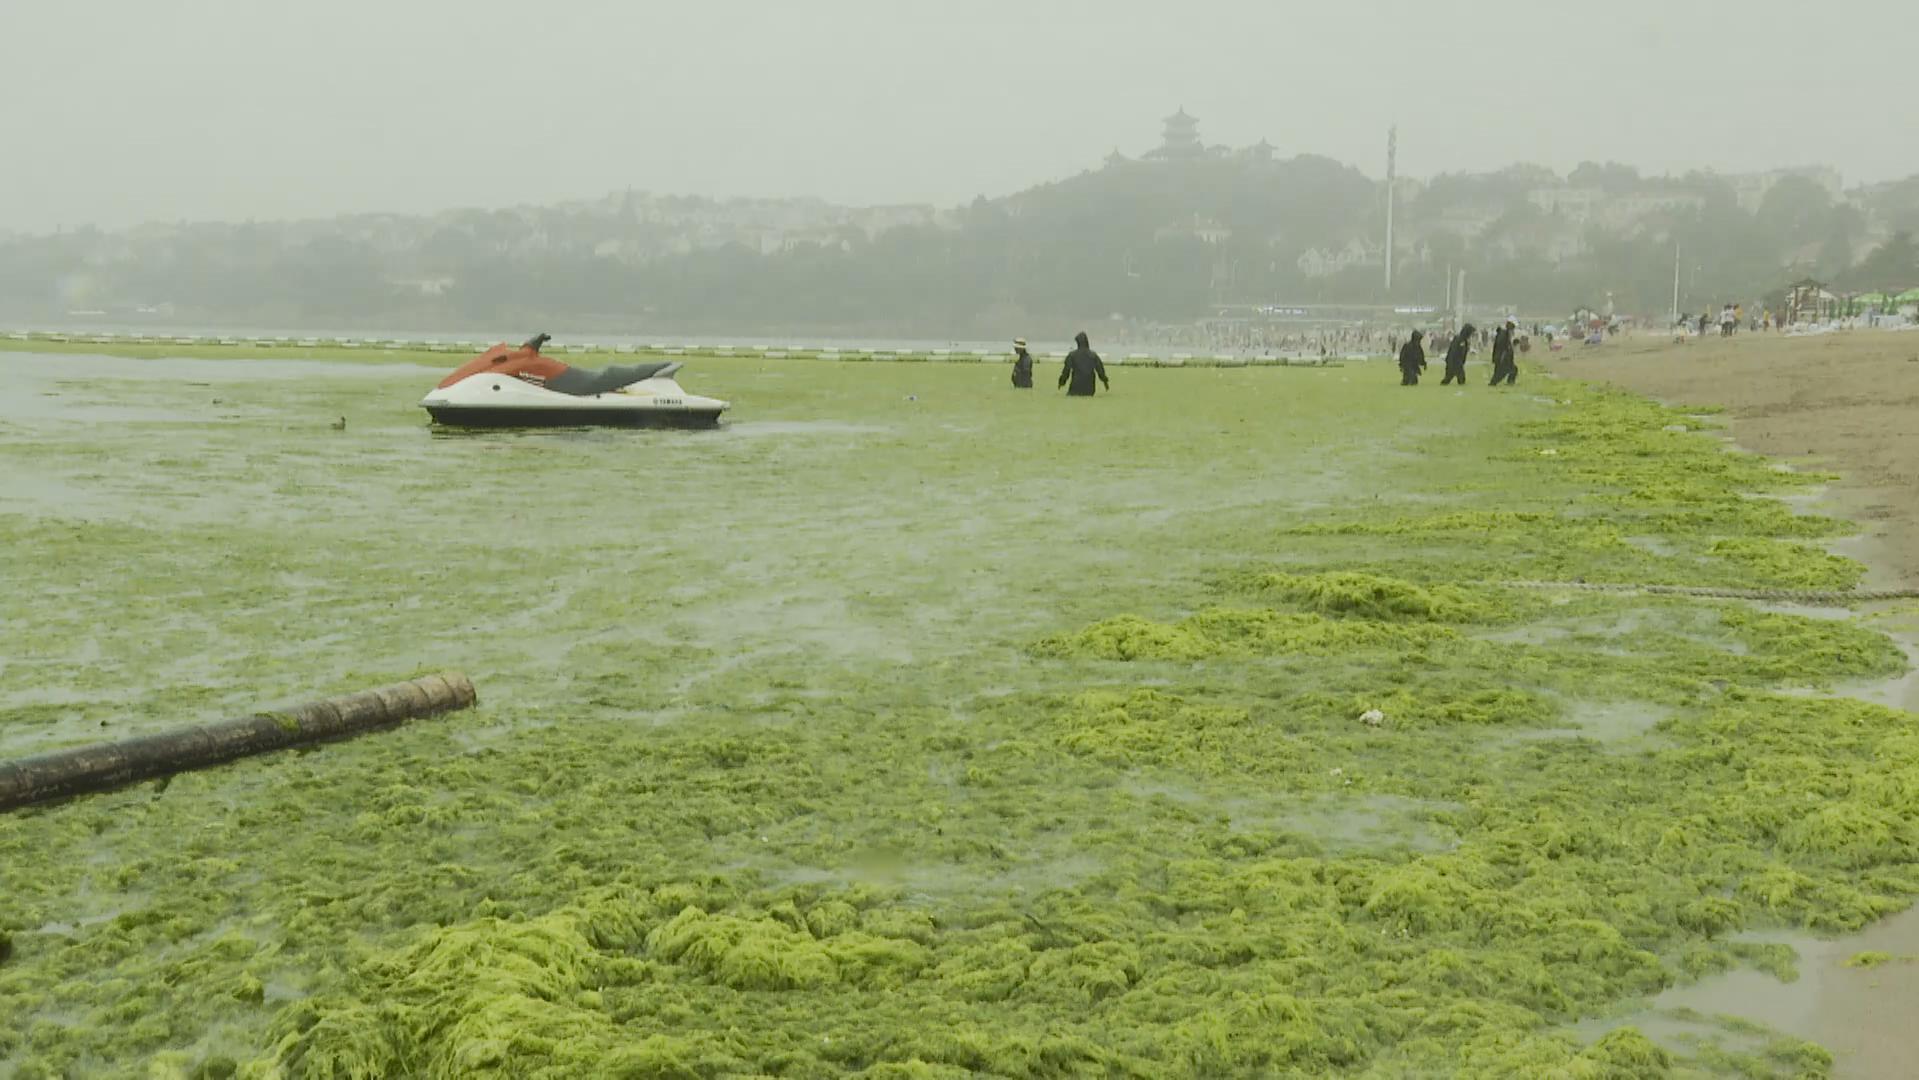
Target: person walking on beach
{"x": 1022, "y": 365}
{"x": 1505, "y": 365}
{"x": 1456, "y": 354}
{"x": 1082, "y": 366}
{"x": 1412, "y": 359}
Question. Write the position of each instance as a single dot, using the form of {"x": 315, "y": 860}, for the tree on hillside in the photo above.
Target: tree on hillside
{"x": 1796, "y": 211}
{"x": 1843, "y": 225}
{"x": 1611, "y": 177}
{"x": 1897, "y": 203}
{"x": 1893, "y": 265}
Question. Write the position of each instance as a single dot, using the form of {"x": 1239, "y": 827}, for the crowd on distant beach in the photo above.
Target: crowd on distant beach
{"x": 1243, "y": 339}
{"x": 1728, "y": 321}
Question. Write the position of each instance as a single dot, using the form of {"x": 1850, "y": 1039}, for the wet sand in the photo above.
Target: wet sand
{"x": 1843, "y": 403}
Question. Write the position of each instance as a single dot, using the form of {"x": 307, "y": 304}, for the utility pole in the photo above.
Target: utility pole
{"x": 1392, "y": 176}
{"x": 1449, "y": 287}
{"x": 1675, "y": 283}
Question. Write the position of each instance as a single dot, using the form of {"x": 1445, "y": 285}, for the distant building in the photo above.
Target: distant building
{"x": 1573, "y": 204}
{"x": 1180, "y": 141}
{"x": 824, "y": 239}
{"x": 874, "y": 220}
{"x": 1584, "y": 205}
{"x": 1808, "y": 300}
{"x": 768, "y": 241}
{"x": 1626, "y": 211}
{"x": 1322, "y": 262}
{"x": 431, "y": 286}
{"x": 1205, "y": 230}
{"x": 1466, "y": 221}
{"x": 1555, "y": 240}
{"x": 1751, "y": 189}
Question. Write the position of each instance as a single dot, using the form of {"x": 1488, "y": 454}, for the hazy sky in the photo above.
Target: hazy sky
{"x": 117, "y": 111}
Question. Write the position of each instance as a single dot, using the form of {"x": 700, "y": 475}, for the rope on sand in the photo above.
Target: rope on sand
{"x": 1798, "y": 596}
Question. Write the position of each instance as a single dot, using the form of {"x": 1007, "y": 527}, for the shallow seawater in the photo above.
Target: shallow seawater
{"x": 1336, "y": 822}
{"x": 750, "y": 429}
{"x": 1627, "y": 725}
{"x": 1854, "y": 1009}
{"x": 909, "y": 719}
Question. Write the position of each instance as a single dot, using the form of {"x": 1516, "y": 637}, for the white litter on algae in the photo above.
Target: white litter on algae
{"x": 994, "y": 734}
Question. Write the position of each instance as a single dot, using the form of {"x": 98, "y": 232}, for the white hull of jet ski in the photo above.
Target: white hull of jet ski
{"x": 493, "y": 400}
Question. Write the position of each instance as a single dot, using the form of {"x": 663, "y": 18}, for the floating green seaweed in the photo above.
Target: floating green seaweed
{"x": 1241, "y": 632}
{"x": 1370, "y": 596}
{"x": 795, "y": 792}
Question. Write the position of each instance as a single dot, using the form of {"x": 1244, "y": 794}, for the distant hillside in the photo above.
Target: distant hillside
{"x": 1163, "y": 238}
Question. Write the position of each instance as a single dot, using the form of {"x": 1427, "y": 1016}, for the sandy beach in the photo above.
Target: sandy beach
{"x": 1843, "y": 402}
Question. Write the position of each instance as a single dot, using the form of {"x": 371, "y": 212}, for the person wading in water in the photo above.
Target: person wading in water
{"x": 1505, "y": 363}
{"x": 1082, "y": 365}
{"x": 1462, "y": 347}
{"x": 1412, "y": 359}
{"x": 1022, "y": 365}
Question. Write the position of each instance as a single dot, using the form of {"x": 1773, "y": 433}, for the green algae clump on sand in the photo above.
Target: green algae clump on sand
{"x": 1623, "y": 1052}
{"x": 1229, "y": 631}
{"x": 488, "y": 999}
{"x": 1146, "y": 726}
{"x": 1870, "y": 958}
{"x": 1784, "y": 565}
{"x": 1369, "y": 596}
{"x": 1129, "y": 637}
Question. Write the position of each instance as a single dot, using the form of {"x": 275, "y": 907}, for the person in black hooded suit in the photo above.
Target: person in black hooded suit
{"x": 1082, "y": 366}
{"x": 1412, "y": 359}
{"x": 1456, "y": 356}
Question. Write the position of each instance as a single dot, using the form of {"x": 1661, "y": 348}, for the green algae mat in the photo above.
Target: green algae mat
{"x": 912, "y": 726}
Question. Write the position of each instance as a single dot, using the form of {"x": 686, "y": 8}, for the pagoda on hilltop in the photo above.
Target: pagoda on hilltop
{"x": 1180, "y": 141}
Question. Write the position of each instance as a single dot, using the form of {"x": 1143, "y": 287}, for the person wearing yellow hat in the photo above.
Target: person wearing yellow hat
{"x": 1022, "y": 365}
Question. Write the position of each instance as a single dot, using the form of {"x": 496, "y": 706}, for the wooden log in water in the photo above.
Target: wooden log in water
{"x": 85, "y": 769}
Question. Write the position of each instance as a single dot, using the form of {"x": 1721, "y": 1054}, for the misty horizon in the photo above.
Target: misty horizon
{"x": 772, "y": 197}
{"x": 224, "y": 112}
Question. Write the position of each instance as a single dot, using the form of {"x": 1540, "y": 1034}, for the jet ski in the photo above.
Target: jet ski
{"x": 519, "y": 387}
